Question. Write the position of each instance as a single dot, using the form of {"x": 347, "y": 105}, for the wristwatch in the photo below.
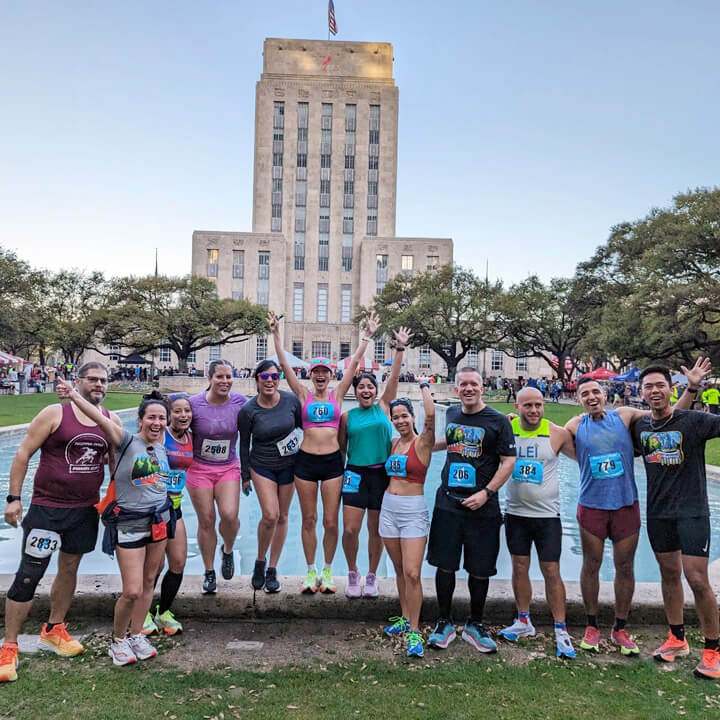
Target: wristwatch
{"x": 490, "y": 492}
{"x": 12, "y": 498}
{"x": 424, "y": 384}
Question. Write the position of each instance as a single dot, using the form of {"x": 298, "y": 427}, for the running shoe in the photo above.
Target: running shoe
{"x": 59, "y": 641}
{"x": 398, "y": 626}
{"x": 415, "y": 644}
{"x": 121, "y": 652}
{"x": 370, "y": 589}
{"x": 352, "y": 589}
{"x": 709, "y": 666}
{"x": 564, "y": 645}
{"x": 141, "y": 647}
{"x": 671, "y": 649}
{"x": 624, "y": 642}
{"x": 258, "y": 576}
{"x": 442, "y": 635}
{"x": 149, "y": 627}
{"x": 167, "y": 623}
{"x": 326, "y": 581}
{"x": 591, "y": 639}
{"x": 227, "y": 567}
{"x": 8, "y": 662}
{"x": 209, "y": 586}
{"x": 272, "y": 584}
{"x": 476, "y": 634}
{"x": 517, "y": 630}
{"x": 312, "y": 581}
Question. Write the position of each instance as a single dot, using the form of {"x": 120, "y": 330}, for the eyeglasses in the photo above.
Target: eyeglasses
{"x": 93, "y": 380}
{"x": 269, "y": 376}
{"x": 178, "y": 396}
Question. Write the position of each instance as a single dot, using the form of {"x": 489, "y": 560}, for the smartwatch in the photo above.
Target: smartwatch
{"x": 490, "y": 493}
{"x": 12, "y": 498}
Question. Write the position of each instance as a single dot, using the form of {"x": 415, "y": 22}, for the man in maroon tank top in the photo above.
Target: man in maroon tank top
{"x": 61, "y": 517}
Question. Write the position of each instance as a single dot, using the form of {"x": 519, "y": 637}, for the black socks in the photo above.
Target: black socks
{"x": 169, "y": 589}
{"x": 444, "y": 588}
{"x": 478, "y": 594}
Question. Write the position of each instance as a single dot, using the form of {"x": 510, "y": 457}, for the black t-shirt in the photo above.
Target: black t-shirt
{"x": 475, "y": 443}
{"x": 674, "y": 455}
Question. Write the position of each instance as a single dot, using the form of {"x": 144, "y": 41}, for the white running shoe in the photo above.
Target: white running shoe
{"x": 141, "y": 647}
{"x": 564, "y": 644}
{"x": 517, "y": 630}
{"x": 121, "y": 652}
{"x": 370, "y": 589}
{"x": 352, "y": 588}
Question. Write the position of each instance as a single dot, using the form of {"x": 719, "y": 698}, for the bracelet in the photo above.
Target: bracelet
{"x": 399, "y": 349}
{"x": 693, "y": 390}
{"x": 424, "y": 385}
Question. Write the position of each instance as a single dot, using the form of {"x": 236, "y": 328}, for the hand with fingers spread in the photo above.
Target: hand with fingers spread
{"x": 273, "y": 323}
{"x": 371, "y": 324}
{"x": 699, "y": 371}
{"x": 402, "y": 336}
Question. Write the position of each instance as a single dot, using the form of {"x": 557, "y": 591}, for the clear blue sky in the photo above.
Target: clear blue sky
{"x": 526, "y": 129}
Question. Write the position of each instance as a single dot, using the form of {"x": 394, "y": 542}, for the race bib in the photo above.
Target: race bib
{"x": 290, "y": 444}
{"x": 320, "y": 412}
{"x": 42, "y": 543}
{"x": 461, "y": 475}
{"x": 175, "y": 482}
{"x": 604, "y": 467}
{"x": 215, "y": 449}
{"x": 128, "y": 536}
{"x": 351, "y": 482}
{"x": 396, "y": 465}
{"x": 528, "y": 471}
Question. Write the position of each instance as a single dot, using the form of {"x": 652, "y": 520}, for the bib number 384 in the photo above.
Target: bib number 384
{"x": 42, "y": 543}
{"x": 461, "y": 475}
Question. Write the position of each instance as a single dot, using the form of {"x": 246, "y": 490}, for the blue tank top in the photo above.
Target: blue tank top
{"x": 605, "y": 456}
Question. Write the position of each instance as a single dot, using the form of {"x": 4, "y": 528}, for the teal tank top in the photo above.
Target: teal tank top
{"x": 369, "y": 436}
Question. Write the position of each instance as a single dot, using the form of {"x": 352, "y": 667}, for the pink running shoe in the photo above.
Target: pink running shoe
{"x": 370, "y": 590}
{"x": 624, "y": 642}
{"x": 352, "y": 589}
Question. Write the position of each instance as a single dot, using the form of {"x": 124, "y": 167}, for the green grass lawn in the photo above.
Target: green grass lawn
{"x": 16, "y": 409}
{"x": 484, "y": 688}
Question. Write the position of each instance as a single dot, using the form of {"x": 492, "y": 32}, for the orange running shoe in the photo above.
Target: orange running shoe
{"x": 59, "y": 641}
{"x": 671, "y": 649}
{"x": 8, "y": 662}
{"x": 624, "y": 642}
{"x": 709, "y": 666}
{"x": 591, "y": 639}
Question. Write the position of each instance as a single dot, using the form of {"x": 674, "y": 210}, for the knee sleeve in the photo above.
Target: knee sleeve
{"x": 27, "y": 578}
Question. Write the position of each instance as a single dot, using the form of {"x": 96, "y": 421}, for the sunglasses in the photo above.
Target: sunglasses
{"x": 401, "y": 401}
{"x": 178, "y": 396}
{"x": 269, "y": 376}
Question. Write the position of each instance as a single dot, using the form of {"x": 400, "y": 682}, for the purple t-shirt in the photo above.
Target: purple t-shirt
{"x": 215, "y": 429}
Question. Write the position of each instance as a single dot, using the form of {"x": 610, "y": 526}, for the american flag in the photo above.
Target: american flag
{"x": 332, "y": 25}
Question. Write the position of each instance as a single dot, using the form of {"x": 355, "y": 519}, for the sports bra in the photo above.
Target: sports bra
{"x": 406, "y": 466}
{"x": 321, "y": 413}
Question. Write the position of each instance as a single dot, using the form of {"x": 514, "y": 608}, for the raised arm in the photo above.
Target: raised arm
{"x": 295, "y": 385}
{"x": 695, "y": 376}
{"x": 371, "y": 325}
{"x": 402, "y": 337}
{"x": 425, "y": 443}
{"x": 113, "y": 432}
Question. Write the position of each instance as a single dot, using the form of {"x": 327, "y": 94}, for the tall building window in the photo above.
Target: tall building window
{"x": 380, "y": 350}
{"x": 471, "y": 359}
{"x": 406, "y": 264}
{"x": 165, "y": 354}
{"x": 322, "y": 302}
{"x": 325, "y": 164}
{"x": 297, "y": 348}
{"x": 344, "y": 350}
{"x": 298, "y": 302}
{"x": 321, "y": 348}
{"x": 373, "y": 158}
{"x": 238, "y": 270}
{"x": 381, "y": 273}
{"x": 237, "y": 292}
{"x": 113, "y": 353}
{"x": 263, "y": 295}
{"x": 301, "y": 184}
{"x": 433, "y": 262}
{"x": 191, "y": 358}
{"x": 212, "y": 262}
{"x": 300, "y": 237}
{"x": 214, "y": 352}
{"x": 349, "y": 187}
{"x": 345, "y": 303}
{"x": 497, "y": 360}
{"x": 521, "y": 363}
{"x": 277, "y": 164}
{"x": 424, "y": 358}
{"x": 260, "y": 348}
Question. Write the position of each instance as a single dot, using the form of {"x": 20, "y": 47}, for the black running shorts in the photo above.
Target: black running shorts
{"x": 546, "y": 533}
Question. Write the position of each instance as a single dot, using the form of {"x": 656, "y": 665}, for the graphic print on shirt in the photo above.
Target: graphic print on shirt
{"x": 85, "y": 453}
{"x": 464, "y": 440}
{"x": 150, "y": 470}
{"x": 663, "y": 448}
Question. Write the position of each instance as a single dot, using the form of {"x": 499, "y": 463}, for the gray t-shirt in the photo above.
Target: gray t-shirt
{"x": 140, "y": 474}
{"x": 268, "y": 428}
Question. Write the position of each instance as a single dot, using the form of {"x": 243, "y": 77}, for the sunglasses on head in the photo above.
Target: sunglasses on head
{"x": 269, "y": 376}
{"x": 405, "y": 402}
{"x": 178, "y": 396}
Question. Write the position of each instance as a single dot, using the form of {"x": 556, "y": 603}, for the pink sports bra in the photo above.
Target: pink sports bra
{"x": 316, "y": 413}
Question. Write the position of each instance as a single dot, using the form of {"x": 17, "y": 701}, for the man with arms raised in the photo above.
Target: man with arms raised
{"x": 672, "y": 443}
{"x": 608, "y": 502}
{"x": 61, "y": 516}
{"x": 466, "y": 519}
{"x": 533, "y": 515}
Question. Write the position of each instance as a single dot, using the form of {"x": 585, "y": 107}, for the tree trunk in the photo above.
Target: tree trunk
{"x": 452, "y": 368}
{"x": 182, "y": 363}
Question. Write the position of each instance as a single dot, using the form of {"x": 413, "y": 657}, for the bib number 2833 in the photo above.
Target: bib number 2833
{"x": 42, "y": 543}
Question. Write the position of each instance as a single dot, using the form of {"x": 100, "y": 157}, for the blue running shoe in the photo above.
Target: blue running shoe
{"x": 415, "y": 644}
{"x": 442, "y": 635}
{"x": 476, "y": 634}
{"x": 399, "y": 626}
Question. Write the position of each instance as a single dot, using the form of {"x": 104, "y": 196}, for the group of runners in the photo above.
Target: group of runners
{"x": 301, "y": 441}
